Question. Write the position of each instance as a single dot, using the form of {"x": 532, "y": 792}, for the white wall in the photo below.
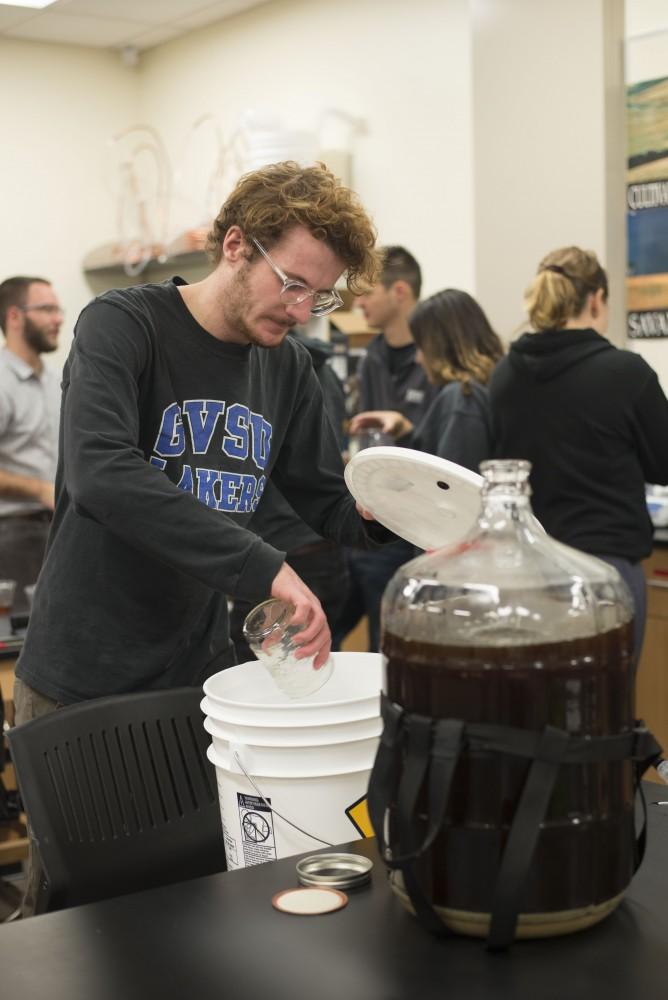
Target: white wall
{"x": 404, "y": 71}
{"x": 548, "y": 149}
{"x": 485, "y": 138}
{"x": 60, "y": 105}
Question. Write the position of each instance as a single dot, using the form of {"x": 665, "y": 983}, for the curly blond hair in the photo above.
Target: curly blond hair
{"x": 267, "y": 202}
{"x": 559, "y": 291}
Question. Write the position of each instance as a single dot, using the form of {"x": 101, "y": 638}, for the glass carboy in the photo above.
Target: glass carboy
{"x": 509, "y": 709}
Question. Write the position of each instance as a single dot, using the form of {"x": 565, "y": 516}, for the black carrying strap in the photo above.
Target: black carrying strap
{"x": 408, "y": 746}
{"x": 386, "y": 771}
{"x": 523, "y": 836}
{"x": 416, "y": 763}
{"x": 647, "y": 751}
{"x": 637, "y": 744}
{"x": 443, "y": 754}
{"x": 414, "y": 748}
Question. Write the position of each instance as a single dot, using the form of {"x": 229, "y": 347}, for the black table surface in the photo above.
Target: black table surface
{"x": 219, "y": 938}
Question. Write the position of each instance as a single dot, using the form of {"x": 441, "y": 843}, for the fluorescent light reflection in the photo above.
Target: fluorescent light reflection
{"x": 33, "y": 4}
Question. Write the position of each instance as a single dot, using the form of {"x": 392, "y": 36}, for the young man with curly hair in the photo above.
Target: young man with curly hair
{"x": 179, "y": 402}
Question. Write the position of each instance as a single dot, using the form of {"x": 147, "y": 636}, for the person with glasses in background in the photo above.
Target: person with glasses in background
{"x": 30, "y": 318}
{"x": 389, "y": 378}
{"x": 180, "y": 402}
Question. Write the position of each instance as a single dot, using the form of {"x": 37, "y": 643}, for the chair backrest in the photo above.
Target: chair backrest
{"x": 120, "y": 795}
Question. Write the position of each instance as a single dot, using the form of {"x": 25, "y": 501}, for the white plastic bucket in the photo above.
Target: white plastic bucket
{"x": 292, "y": 775}
{"x": 247, "y": 694}
{"x": 284, "y": 736}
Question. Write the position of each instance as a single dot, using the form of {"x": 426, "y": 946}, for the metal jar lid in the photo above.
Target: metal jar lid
{"x": 337, "y": 871}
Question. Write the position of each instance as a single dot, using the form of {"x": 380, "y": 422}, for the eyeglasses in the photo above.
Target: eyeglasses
{"x": 293, "y": 291}
{"x": 47, "y": 309}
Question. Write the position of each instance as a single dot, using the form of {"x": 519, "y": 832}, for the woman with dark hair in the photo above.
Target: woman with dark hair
{"x": 458, "y": 350}
{"x": 591, "y": 419}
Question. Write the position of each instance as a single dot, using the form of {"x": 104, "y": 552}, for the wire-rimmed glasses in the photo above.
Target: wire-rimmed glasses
{"x": 294, "y": 292}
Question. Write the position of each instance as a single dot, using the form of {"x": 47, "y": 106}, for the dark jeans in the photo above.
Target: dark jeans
{"x": 369, "y": 574}
{"x": 322, "y": 566}
{"x": 30, "y": 704}
{"x": 633, "y": 576}
{"x": 22, "y": 544}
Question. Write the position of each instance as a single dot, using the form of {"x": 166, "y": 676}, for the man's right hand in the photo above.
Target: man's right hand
{"x": 315, "y": 639}
{"x": 387, "y": 421}
{"x": 15, "y": 487}
{"x": 47, "y": 495}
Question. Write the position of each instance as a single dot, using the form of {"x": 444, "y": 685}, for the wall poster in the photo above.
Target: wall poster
{"x": 647, "y": 209}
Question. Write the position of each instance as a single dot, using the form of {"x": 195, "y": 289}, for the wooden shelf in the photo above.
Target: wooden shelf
{"x": 14, "y": 842}
{"x": 186, "y": 248}
{"x": 652, "y": 679}
{"x": 352, "y": 324}
{"x": 13, "y": 835}
{"x": 113, "y": 264}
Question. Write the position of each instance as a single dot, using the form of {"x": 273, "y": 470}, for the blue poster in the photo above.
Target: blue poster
{"x": 647, "y": 209}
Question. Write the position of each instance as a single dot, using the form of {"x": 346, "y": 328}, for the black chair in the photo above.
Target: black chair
{"x": 120, "y": 795}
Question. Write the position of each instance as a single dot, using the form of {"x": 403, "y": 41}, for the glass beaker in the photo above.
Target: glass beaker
{"x": 269, "y": 632}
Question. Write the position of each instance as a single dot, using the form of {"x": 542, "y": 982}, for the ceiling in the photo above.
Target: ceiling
{"x": 141, "y": 24}
{"x": 115, "y": 24}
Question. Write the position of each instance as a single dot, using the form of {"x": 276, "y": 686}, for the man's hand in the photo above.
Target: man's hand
{"x": 366, "y": 514}
{"x": 15, "y": 487}
{"x": 315, "y": 639}
{"x": 46, "y": 494}
{"x": 387, "y": 421}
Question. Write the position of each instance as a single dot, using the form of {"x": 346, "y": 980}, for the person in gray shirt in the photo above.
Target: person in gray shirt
{"x": 31, "y": 318}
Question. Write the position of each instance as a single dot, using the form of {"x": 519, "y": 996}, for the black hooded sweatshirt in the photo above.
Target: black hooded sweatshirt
{"x": 593, "y": 422}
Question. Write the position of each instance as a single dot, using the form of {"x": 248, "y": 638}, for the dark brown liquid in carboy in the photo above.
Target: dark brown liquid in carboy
{"x": 585, "y": 849}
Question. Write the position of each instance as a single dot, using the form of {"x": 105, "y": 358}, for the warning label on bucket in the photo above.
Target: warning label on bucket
{"x": 257, "y": 829}
{"x": 358, "y": 814}
{"x": 230, "y": 848}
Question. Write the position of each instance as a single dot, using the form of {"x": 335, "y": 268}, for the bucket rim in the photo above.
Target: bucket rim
{"x": 212, "y": 755}
{"x": 212, "y": 731}
{"x": 298, "y": 705}
{"x": 261, "y": 736}
{"x": 293, "y": 720}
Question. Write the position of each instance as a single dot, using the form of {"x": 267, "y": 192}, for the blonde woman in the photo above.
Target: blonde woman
{"x": 458, "y": 350}
{"x": 591, "y": 419}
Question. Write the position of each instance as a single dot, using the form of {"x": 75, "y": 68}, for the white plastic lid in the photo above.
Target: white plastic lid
{"x": 425, "y": 499}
